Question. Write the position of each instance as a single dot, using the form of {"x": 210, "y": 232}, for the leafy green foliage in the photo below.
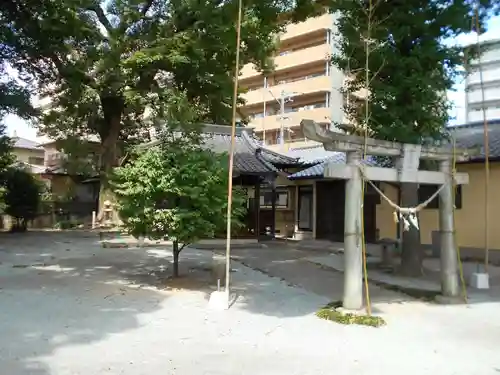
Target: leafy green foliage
{"x": 410, "y": 65}
{"x": 6, "y": 160}
{"x": 398, "y": 50}
{"x": 177, "y": 191}
{"x": 22, "y": 197}
{"x": 112, "y": 68}
{"x": 14, "y": 99}
{"x": 331, "y": 312}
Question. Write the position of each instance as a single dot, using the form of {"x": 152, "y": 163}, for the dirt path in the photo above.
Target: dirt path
{"x": 290, "y": 264}
{"x": 70, "y": 307}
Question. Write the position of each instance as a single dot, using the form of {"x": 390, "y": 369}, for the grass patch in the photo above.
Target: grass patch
{"x": 330, "y": 312}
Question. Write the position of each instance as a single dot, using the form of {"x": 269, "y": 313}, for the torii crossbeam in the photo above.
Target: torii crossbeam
{"x": 407, "y": 158}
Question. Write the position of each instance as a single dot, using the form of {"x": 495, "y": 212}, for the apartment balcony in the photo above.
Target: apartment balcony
{"x": 293, "y": 59}
{"x": 488, "y": 76}
{"x": 301, "y": 29}
{"x": 490, "y": 95}
{"x": 303, "y": 86}
{"x": 477, "y": 115}
{"x": 291, "y": 119}
{"x": 293, "y": 144}
{"x": 491, "y": 54}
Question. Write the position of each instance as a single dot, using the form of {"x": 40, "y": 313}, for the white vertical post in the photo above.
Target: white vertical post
{"x": 265, "y": 112}
{"x": 353, "y": 266}
{"x": 94, "y": 216}
{"x": 314, "y": 209}
{"x": 449, "y": 274}
{"x": 296, "y": 211}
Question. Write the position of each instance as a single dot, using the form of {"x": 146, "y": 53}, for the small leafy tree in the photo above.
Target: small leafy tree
{"x": 176, "y": 191}
{"x": 22, "y": 197}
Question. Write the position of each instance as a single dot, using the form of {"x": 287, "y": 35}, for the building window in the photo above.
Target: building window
{"x": 426, "y": 191}
{"x": 298, "y": 78}
{"x": 35, "y": 160}
{"x": 266, "y": 198}
{"x": 309, "y": 107}
{"x": 256, "y": 115}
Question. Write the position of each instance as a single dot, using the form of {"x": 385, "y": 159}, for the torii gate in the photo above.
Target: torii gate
{"x": 407, "y": 157}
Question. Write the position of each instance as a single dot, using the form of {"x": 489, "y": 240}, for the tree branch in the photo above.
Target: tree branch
{"x": 147, "y": 6}
{"x": 64, "y": 72}
{"x": 102, "y": 17}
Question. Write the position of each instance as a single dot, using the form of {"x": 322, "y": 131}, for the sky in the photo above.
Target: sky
{"x": 457, "y": 97}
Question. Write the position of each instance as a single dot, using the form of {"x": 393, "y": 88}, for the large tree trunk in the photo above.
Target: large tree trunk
{"x": 176, "y": 251}
{"x": 112, "y": 109}
{"x": 411, "y": 256}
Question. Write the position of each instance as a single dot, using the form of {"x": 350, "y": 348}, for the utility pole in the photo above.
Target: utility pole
{"x": 282, "y": 120}
{"x": 284, "y": 97}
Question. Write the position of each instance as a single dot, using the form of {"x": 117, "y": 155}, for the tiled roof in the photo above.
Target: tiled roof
{"x": 25, "y": 143}
{"x": 318, "y": 158}
{"x": 245, "y": 137}
{"x": 249, "y": 156}
{"x": 273, "y": 156}
{"x": 246, "y": 158}
{"x": 312, "y": 155}
{"x": 472, "y": 136}
{"x": 35, "y": 169}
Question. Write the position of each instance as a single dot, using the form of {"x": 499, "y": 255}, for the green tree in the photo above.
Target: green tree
{"x": 399, "y": 50}
{"x": 22, "y": 197}
{"x": 110, "y": 66}
{"x": 6, "y": 160}
{"x": 14, "y": 98}
{"x": 177, "y": 191}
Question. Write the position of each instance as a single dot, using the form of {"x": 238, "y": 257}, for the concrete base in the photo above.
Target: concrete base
{"x": 219, "y": 300}
{"x": 140, "y": 241}
{"x": 480, "y": 280}
{"x": 357, "y": 312}
{"x": 302, "y": 235}
{"x": 219, "y": 270}
{"x": 447, "y": 300}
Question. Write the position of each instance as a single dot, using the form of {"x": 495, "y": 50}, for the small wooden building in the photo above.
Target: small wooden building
{"x": 255, "y": 169}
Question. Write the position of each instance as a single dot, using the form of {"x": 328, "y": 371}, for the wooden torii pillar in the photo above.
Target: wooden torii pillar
{"x": 407, "y": 157}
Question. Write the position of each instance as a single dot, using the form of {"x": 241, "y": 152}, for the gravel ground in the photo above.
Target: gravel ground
{"x": 71, "y": 307}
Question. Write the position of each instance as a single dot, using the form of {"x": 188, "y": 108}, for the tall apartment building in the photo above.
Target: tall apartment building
{"x": 303, "y": 85}
{"x": 484, "y": 97}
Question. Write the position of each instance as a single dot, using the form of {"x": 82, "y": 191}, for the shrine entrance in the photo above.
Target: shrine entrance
{"x": 330, "y": 212}
{"x": 406, "y": 160}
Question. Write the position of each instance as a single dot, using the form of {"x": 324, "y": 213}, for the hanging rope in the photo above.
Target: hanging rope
{"x": 365, "y": 149}
{"x": 397, "y": 208}
{"x": 486, "y": 150}
{"x": 454, "y": 192}
{"x": 231, "y": 149}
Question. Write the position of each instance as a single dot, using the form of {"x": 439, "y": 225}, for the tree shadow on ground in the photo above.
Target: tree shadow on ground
{"x": 63, "y": 289}
{"x": 300, "y": 268}
{"x": 48, "y": 305}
